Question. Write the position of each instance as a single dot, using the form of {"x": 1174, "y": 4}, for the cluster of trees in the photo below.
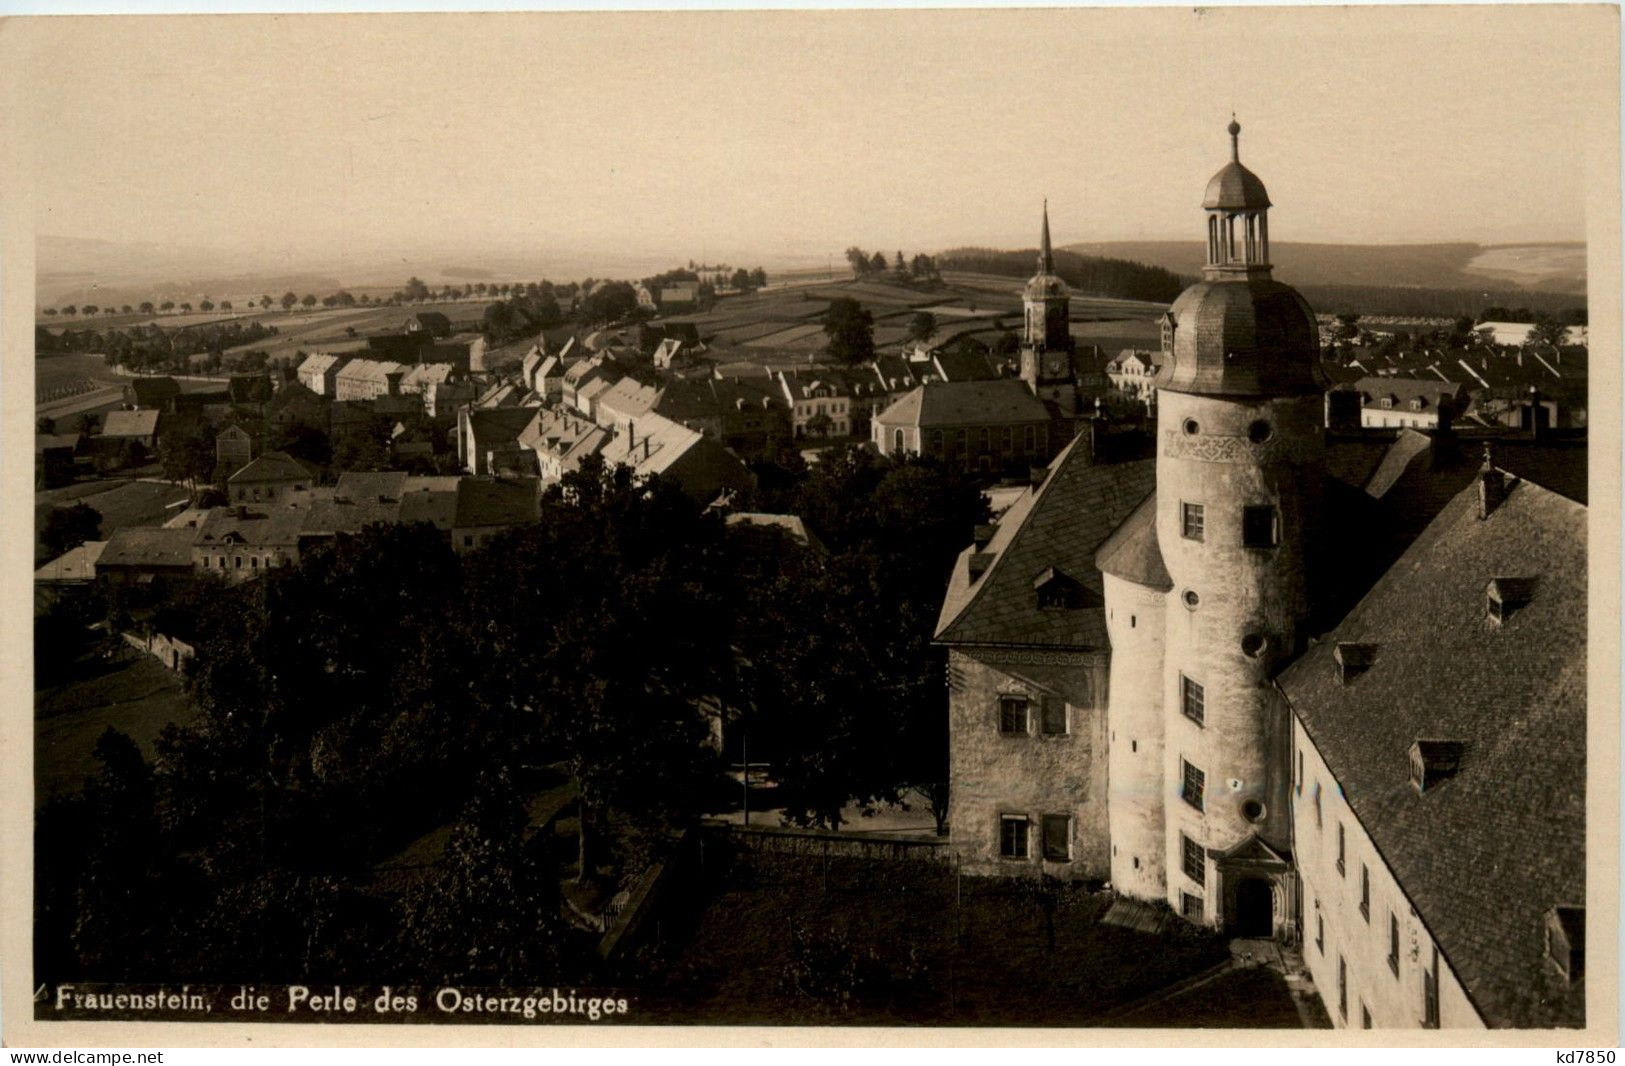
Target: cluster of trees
{"x": 1094, "y": 275}
{"x": 920, "y": 268}
{"x": 522, "y": 315}
{"x": 851, "y": 331}
{"x": 386, "y": 686}
{"x": 151, "y": 347}
{"x": 1569, "y": 316}
{"x": 1432, "y": 303}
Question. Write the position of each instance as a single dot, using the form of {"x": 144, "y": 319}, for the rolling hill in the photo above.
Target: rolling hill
{"x": 1557, "y": 267}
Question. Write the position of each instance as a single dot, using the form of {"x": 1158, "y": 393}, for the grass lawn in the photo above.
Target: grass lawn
{"x": 130, "y": 691}
{"x": 778, "y": 940}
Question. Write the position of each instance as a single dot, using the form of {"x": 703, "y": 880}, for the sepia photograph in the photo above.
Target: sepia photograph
{"x": 1066, "y": 522}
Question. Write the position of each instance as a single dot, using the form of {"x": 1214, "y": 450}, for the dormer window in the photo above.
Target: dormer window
{"x": 1504, "y": 595}
{"x": 1434, "y": 761}
{"x": 1057, "y": 591}
{"x": 1353, "y": 660}
{"x": 1566, "y": 940}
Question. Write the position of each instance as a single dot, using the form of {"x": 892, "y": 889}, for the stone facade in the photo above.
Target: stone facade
{"x": 1027, "y": 773}
{"x": 1136, "y": 805}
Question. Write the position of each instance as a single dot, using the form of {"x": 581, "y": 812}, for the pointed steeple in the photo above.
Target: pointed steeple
{"x": 1046, "y": 259}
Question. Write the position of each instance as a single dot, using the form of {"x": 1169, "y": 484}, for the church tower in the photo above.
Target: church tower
{"x": 1046, "y": 338}
{"x": 1240, "y": 465}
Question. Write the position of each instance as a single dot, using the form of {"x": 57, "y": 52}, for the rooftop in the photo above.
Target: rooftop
{"x": 1512, "y": 693}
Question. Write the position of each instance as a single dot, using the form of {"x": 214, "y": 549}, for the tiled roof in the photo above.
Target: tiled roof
{"x": 130, "y": 424}
{"x": 1484, "y": 855}
{"x": 966, "y": 403}
{"x": 143, "y": 546}
{"x": 77, "y": 564}
{"x": 272, "y": 527}
{"x": 355, "y": 486}
{"x": 272, "y": 467}
{"x": 956, "y": 364}
{"x": 370, "y": 370}
{"x": 493, "y": 502}
{"x": 493, "y": 426}
{"x": 1132, "y": 551}
{"x": 436, "y": 506}
{"x": 1061, "y": 525}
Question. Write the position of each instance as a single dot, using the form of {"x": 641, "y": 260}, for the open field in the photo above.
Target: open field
{"x": 793, "y": 940}
{"x": 124, "y": 689}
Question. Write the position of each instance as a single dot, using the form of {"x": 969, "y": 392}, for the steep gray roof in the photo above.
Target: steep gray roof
{"x": 1061, "y": 525}
{"x": 1485, "y": 854}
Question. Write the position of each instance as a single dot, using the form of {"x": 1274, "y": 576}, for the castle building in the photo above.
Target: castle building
{"x": 1046, "y": 338}
{"x": 1291, "y": 684}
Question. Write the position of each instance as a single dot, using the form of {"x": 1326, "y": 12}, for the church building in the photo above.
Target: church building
{"x": 1289, "y": 683}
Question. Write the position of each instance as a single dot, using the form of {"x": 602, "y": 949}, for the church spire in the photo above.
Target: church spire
{"x": 1046, "y": 259}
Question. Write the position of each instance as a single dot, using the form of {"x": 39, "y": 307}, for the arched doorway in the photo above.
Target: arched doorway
{"x": 1255, "y": 912}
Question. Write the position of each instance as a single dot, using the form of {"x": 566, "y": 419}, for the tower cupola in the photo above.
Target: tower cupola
{"x": 1239, "y": 332}
{"x": 1237, "y": 206}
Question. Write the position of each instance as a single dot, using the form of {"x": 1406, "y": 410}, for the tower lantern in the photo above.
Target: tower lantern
{"x": 1238, "y": 229}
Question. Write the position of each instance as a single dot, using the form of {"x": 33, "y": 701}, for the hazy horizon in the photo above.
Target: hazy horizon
{"x": 311, "y": 142}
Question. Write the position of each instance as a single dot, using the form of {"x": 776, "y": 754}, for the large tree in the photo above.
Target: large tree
{"x": 850, "y": 328}
{"x": 922, "y": 325}
{"x": 186, "y": 453}
{"x": 68, "y": 527}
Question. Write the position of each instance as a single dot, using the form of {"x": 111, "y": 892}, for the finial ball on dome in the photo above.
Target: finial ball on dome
{"x": 1234, "y": 127}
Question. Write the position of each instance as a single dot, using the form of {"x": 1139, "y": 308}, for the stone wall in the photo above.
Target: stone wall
{"x": 1028, "y": 774}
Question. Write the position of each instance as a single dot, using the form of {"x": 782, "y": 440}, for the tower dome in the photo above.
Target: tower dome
{"x": 1239, "y": 332}
{"x": 1235, "y": 188}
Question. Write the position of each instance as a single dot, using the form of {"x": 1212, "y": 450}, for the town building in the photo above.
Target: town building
{"x": 152, "y": 393}
{"x": 1133, "y": 373}
{"x": 273, "y": 477}
{"x": 138, "y": 427}
{"x": 1392, "y": 402}
{"x": 1324, "y": 688}
{"x": 319, "y": 373}
{"x": 977, "y": 425}
{"x": 242, "y": 541}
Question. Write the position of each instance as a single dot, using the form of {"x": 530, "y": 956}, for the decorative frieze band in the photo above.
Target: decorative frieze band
{"x": 1213, "y": 448}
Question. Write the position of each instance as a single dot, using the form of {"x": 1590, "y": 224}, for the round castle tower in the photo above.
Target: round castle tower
{"x": 1240, "y": 465}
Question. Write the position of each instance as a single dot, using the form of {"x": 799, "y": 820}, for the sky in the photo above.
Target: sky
{"x": 762, "y": 136}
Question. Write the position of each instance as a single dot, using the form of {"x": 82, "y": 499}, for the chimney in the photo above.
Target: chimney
{"x": 1492, "y": 487}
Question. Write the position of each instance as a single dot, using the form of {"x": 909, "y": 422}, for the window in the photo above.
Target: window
{"x": 1393, "y": 942}
{"x": 1317, "y": 804}
{"x": 936, "y": 442}
{"x": 236, "y": 562}
{"x": 1013, "y": 836}
{"x": 1342, "y": 988}
{"x": 1052, "y": 716}
{"x": 1260, "y": 527}
{"x": 1190, "y": 699}
{"x": 253, "y": 562}
{"x": 1298, "y": 781}
{"x": 1430, "y": 994}
{"x": 1190, "y": 907}
{"x": 1320, "y": 933}
{"x": 1192, "y": 520}
{"x": 1057, "y": 830}
{"x": 1341, "y": 852}
{"x": 981, "y": 439}
{"x": 1191, "y": 789}
{"x": 1365, "y": 892}
{"x": 1192, "y": 859}
{"x": 205, "y": 562}
{"x": 1004, "y": 440}
{"x": 897, "y": 440}
{"x": 1030, "y": 437}
{"x": 1012, "y": 714}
